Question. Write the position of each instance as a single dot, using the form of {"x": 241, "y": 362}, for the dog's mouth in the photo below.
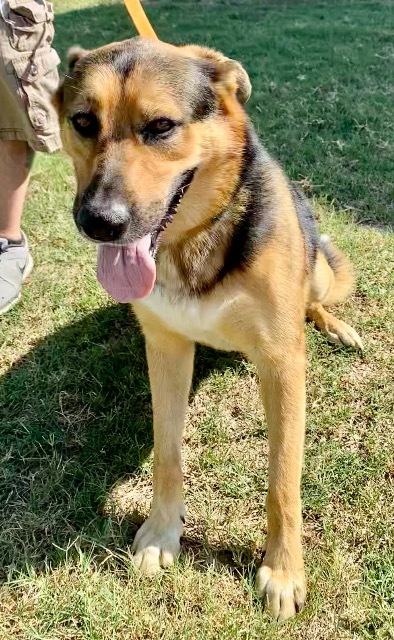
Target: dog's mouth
{"x": 128, "y": 272}
{"x": 171, "y": 211}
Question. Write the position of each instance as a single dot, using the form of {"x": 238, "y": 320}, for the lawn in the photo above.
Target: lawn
{"x": 75, "y": 419}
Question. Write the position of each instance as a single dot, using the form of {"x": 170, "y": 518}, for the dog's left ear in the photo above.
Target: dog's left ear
{"x": 226, "y": 74}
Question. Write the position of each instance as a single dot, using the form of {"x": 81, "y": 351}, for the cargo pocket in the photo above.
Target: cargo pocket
{"x": 30, "y": 24}
{"x": 38, "y": 80}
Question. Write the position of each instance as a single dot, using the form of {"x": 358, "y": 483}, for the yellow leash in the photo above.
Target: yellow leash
{"x": 139, "y": 18}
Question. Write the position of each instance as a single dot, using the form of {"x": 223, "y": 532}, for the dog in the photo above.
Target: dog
{"x": 219, "y": 248}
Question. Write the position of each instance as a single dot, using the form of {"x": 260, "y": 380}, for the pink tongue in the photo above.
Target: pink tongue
{"x": 126, "y": 272}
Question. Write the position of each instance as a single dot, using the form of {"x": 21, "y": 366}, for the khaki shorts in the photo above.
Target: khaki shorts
{"x": 28, "y": 74}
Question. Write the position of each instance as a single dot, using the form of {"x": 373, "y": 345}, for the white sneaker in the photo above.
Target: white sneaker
{"x": 16, "y": 264}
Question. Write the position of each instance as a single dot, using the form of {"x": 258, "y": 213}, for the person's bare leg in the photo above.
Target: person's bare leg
{"x": 15, "y": 260}
{"x": 15, "y": 162}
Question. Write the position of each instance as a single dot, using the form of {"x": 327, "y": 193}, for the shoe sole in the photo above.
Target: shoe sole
{"x": 26, "y": 273}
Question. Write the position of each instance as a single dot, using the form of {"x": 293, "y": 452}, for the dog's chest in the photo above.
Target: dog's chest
{"x": 196, "y": 319}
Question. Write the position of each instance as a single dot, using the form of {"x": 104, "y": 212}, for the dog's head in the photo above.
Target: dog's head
{"x": 147, "y": 124}
{"x": 139, "y": 119}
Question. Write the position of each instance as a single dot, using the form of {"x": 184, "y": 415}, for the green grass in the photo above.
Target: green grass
{"x": 75, "y": 422}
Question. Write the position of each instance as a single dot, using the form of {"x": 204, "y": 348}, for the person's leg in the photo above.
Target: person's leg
{"x": 15, "y": 161}
{"x": 15, "y": 260}
{"x": 28, "y": 120}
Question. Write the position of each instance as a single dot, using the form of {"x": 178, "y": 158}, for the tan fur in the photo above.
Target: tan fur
{"x": 259, "y": 310}
{"x": 328, "y": 286}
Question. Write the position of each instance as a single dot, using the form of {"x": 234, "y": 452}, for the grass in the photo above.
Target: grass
{"x": 75, "y": 424}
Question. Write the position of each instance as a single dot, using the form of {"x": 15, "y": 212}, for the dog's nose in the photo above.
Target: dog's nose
{"x": 100, "y": 227}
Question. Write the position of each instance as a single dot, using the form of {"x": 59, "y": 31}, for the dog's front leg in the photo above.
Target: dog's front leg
{"x": 280, "y": 579}
{"x": 170, "y": 362}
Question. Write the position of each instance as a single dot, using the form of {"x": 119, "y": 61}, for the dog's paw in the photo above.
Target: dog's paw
{"x": 283, "y": 591}
{"x": 157, "y": 543}
{"x": 340, "y": 332}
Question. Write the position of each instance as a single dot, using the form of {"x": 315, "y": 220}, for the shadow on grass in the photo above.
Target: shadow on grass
{"x": 75, "y": 417}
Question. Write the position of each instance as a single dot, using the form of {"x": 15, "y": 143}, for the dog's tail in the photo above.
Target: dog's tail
{"x": 333, "y": 277}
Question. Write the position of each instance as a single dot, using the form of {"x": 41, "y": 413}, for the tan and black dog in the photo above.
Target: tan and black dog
{"x": 224, "y": 251}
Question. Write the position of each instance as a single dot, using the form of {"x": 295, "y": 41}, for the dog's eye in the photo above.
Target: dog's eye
{"x": 86, "y": 124}
{"x": 159, "y": 127}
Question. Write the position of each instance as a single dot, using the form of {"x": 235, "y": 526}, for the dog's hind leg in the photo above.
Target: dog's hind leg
{"x": 332, "y": 282}
{"x": 170, "y": 362}
{"x": 337, "y": 331}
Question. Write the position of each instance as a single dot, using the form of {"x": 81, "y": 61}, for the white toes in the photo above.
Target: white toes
{"x": 148, "y": 561}
{"x": 167, "y": 557}
{"x": 157, "y": 544}
{"x": 283, "y": 591}
{"x": 343, "y": 333}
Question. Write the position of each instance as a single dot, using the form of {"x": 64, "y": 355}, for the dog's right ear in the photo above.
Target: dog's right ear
{"x": 74, "y": 54}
